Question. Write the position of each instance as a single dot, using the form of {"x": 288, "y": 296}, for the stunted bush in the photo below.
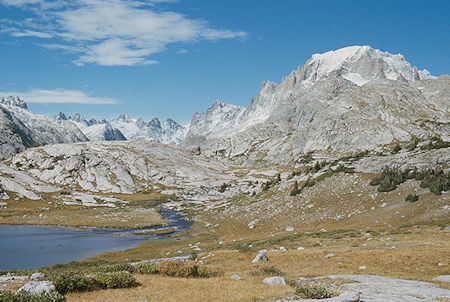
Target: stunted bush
{"x": 412, "y": 198}
{"x": 433, "y": 179}
{"x": 145, "y": 268}
{"x": 65, "y": 283}
{"x": 313, "y": 292}
{"x": 119, "y": 267}
{"x": 184, "y": 269}
{"x": 121, "y": 279}
{"x": 389, "y": 179}
{"x": 295, "y": 190}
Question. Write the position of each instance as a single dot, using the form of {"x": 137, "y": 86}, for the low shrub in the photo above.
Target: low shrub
{"x": 313, "y": 292}
{"x": 184, "y": 269}
{"x": 27, "y": 297}
{"x": 389, "y": 179}
{"x": 66, "y": 283}
{"x": 121, "y": 279}
{"x": 223, "y": 187}
{"x": 143, "y": 268}
{"x": 412, "y": 198}
{"x": 295, "y": 190}
{"x": 119, "y": 267}
{"x": 268, "y": 271}
{"x": 435, "y": 180}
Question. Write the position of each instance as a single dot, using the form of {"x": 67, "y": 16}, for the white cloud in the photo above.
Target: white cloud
{"x": 19, "y": 2}
{"x": 31, "y": 33}
{"x": 121, "y": 32}
{"x": 60, "y": 96}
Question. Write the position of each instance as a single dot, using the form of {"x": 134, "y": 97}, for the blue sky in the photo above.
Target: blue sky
{"x": 170, "y": 58}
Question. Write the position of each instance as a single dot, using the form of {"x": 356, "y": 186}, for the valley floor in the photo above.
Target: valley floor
{"x": 414, "y": 252}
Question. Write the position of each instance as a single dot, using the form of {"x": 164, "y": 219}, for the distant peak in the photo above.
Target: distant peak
{"x": 14, "y": 101}
{"x": 77, "y": 118}
{"x": 361, "y": 64}
{"x": 61, "y": 116}
{"x": 124, "y": 118}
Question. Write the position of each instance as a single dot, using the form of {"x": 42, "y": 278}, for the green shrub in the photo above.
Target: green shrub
{"x": 313, "y": 292}
{"x": 223, "y": 187}
{"x": 65, "y": 283}
{"x": 184, "y": 269}
{"x": 143, "y": 268}
{"x": 389, "y": 179}
{"x": 119, "y": 267}
{"x": 121, "y": 279}
{"x": 412, "y": 198}
{"x": 27, "y": 297}
{"x": 268, "y": 271}
{"x": 295, "y": 190}
{"x": 435, "y": 180}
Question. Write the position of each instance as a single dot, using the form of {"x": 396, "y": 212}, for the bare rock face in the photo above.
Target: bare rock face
{"x": 274, "y": 281}
{"x": 20, "y": 128}
{"x": 343, "y": 101}
{"x": 37, "y": 287}
{"x": 116, "y": 167}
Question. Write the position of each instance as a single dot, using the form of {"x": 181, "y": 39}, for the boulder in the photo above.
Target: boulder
{"x": 37, "y": 276}
{"x": 275, "y": 281}
{"x": 236, "y": 277}
{"x": 37, "y": 287}
{"x": 261, "y": 257}
{"x": 349, "y": 297}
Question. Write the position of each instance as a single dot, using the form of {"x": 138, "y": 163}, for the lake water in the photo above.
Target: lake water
{"x": 26, "y": 246}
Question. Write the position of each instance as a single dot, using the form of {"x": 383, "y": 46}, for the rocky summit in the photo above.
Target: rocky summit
{"x": 352, "y": 99}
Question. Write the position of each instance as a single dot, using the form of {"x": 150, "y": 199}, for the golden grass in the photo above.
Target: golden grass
{"x": 79, "y": 216}
{"x": 139, "y": 213}
{"x": 411, "y": 259}
{"x": 160, "y": 288}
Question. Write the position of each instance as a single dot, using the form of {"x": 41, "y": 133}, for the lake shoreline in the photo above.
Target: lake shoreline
{"x": 30, "y": 246}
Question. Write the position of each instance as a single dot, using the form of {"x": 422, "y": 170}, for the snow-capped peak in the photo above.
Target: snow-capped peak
{"x": 13, "y": 101}
{"x": 361, "y": 64}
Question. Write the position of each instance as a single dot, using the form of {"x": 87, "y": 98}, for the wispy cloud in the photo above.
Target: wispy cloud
{"x": 115, "y": 32}
{"x": 59, "y": 96}
{"x": 31, "y": 33}
{"x": 19, "y": 2}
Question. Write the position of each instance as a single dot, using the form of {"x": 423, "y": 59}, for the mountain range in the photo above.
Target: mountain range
{"x": 354, "y": 98}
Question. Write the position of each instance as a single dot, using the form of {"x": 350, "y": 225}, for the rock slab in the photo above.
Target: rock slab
{"x": 37, "y": 287}
{"x": 261, "y": 257}
{"x": 274, "y": 281}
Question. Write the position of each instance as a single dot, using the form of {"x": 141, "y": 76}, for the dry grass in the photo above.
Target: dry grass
{"x": 413, "y": 258}
{"x": 160, "y": 288}
{"x": 140, "y": 212}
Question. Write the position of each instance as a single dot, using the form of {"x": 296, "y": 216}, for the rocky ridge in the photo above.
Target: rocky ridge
{"x": 20, "y": 128}
{"x": 353, "y": 99}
